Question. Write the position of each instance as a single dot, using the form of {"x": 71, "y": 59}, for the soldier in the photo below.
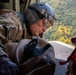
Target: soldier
{"x": 7, "y": 25}
{"x": 7, "y": 67}
{"x": 34, "y": 55}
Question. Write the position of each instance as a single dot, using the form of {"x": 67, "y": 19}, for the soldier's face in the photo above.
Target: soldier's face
{"x": 39, "y": 27}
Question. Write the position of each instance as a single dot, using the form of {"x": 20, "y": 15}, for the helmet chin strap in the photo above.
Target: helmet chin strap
{"x": 41, "y": 35}
{"x": 29, "y": 31}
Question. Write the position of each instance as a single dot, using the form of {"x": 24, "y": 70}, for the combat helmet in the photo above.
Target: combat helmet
{"x": 10, "y": 25}
{"x": 38, "y": 11}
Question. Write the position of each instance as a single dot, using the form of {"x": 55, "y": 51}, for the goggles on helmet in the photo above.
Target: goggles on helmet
{"x": 50, "y": 19}
{"x": 48, "y": 22}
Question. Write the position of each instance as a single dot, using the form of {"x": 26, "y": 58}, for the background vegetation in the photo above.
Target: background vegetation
{"x": 65, "y": 27}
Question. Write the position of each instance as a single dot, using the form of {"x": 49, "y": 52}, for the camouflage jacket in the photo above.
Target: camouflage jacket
{"x": 2, "y": 49}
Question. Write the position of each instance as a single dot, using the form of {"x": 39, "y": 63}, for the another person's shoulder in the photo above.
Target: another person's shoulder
{"x": 24, "y": 41}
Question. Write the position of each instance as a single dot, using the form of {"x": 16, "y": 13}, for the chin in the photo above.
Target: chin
{"x": 36, "y": 35}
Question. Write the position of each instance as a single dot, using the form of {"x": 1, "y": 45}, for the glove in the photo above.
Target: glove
{"x": 32, "y": 49}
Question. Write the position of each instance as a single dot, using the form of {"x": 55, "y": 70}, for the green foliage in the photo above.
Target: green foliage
{"x": 65, "y": 12}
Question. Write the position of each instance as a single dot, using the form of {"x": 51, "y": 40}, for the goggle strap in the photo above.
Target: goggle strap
{"x": 38, "y": 13}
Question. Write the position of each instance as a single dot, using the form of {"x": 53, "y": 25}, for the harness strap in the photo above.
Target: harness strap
{"x": 46, "y": 47}
{"x": 32, "y": 49}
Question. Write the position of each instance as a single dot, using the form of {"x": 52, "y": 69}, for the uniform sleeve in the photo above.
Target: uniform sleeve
{"x": 2, "y": 49}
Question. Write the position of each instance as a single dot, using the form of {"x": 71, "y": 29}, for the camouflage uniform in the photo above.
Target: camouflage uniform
{"x": 7, "y": 67}
{"x": 7, "y": 27}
